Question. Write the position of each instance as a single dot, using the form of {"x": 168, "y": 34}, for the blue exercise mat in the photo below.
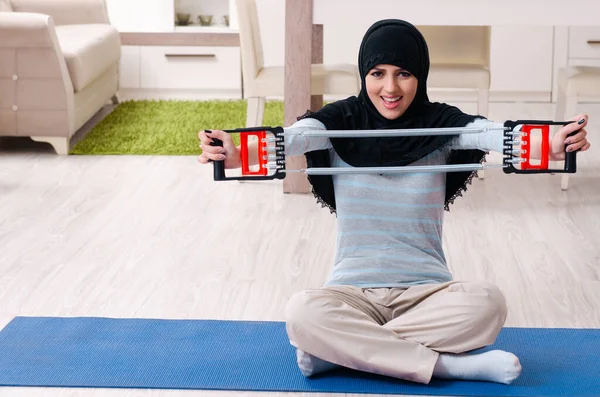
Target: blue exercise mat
{"x": 247, "y": 355}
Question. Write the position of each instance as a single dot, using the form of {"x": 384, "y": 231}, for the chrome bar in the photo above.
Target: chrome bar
{"x": 393, "y": 133}
{"x": 396, "y": 170}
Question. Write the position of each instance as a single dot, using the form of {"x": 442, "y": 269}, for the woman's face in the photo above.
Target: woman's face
{"x": 391, "y": 89}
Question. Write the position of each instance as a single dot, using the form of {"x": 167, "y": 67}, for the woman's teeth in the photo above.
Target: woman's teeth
{"x": 391, "y": 102}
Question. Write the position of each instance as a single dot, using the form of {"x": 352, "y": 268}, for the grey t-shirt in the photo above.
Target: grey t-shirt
{"x": 390, "y": 226}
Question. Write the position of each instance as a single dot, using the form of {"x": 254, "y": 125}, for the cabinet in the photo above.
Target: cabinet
{"x": 584, "y": 44}
{"x": 161, "y": 59}
{"x": 130, "y": 73}
{"x": 575, "y": 46}
{"x": 201, "y": 68}
{"x": 180, "y": 72}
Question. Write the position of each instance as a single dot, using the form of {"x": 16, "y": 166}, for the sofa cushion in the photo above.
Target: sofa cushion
{"x": 5, "y": 6}
{"x": 89, "y": 50}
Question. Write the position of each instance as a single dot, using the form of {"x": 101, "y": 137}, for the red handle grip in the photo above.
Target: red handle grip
{"x": 526, "y": 145}
{"x": 262, "y": 162}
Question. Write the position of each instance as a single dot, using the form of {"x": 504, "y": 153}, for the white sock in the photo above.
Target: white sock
{"x": 495, "y": 366}
{"x": 311, "y": 365}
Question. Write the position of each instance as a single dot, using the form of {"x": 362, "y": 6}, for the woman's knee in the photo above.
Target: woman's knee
{"x": 303, "y": 307}
{"x": 303, "y": 316}
{"x": 490, "y": 308}
{"x": 496, "y": 302}
{"x": 295, "y": 309}
{"x": 492, "y": 312}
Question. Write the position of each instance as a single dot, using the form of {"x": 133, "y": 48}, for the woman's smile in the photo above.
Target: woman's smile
{"x": 391, "y": 102}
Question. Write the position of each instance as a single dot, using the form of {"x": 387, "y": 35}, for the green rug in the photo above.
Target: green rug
{"x": 167, "y": 127}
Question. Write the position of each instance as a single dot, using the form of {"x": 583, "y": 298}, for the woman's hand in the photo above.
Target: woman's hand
{"x": 577, "y": 141}
{"x": 228, "y": 152}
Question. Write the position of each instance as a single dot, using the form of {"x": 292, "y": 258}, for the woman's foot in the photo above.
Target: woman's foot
{"x": 494, "y": 366}
{"x": 310, "y": 365}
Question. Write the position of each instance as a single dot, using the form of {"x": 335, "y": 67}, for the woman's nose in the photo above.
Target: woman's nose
{"x": 391, "y": 85}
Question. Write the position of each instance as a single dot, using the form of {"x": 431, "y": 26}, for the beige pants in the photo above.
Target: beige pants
{"x": 393, "y": 331}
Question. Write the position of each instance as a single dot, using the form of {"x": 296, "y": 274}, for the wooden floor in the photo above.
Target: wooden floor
{"x": 151, "y": 236}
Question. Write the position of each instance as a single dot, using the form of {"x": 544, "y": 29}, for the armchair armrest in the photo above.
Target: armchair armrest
{"x": 66, "y": 12}
{"x": 33, "y": 68}
{"x": 26, "y": 30}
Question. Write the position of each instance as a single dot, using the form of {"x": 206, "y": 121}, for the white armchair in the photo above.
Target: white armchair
{"x": 59, "y": 65}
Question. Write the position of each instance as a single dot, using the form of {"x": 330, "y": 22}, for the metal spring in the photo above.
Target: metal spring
{"x": 273, "y": 166}
{"x": 272, "y": 139}
{"x": 516, "y": 133}
{"x": 271, "y": 157}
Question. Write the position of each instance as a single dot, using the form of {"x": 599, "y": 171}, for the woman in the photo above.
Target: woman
{"x": 390, "y": 305}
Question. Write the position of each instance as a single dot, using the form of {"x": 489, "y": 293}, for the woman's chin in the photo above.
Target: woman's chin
{"x": 391, "y": 114}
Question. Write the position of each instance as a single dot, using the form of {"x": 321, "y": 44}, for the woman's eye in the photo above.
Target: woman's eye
{"x": 405, "y": 74}
{"x": 376, "y": 74}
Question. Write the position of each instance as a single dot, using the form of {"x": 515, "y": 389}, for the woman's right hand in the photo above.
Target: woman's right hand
{"x": 228, "y": 152}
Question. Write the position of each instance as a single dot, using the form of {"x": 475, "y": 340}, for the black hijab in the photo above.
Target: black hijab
{"x": 398, "y": 43}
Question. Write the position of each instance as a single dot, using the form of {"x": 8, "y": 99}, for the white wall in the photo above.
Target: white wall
{"x": 141, "y": 15}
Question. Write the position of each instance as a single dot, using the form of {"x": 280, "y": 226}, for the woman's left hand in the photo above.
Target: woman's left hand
{"x": 577, "y": 141}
